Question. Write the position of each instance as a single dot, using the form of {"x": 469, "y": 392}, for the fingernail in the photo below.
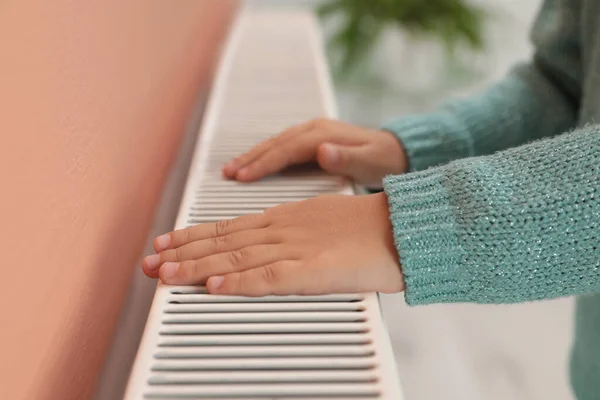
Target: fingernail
{"x": 215, "y": 282}
{"x": 169, "y": 269}
{"x": 152, "y": 262}
{"x": 242, "y": 173}
{"x": 162, "y": 242}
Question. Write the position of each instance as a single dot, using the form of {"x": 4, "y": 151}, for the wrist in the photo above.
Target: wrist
{"x": 394, "y": 281}
{"x": 399, "y": 151}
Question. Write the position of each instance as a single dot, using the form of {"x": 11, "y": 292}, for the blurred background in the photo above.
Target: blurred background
{"x": 467, "y": 352}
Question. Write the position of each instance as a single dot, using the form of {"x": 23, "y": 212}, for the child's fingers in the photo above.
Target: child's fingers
{"x": 195, "y": 272}
{"x": 181, "y": 237}
{"x": 297, "y": 150}
{"x": 210, "y": 246}
{"x": 280, "y": 278}
{"x": 309, "y": 248}
{"x": 231, "y": 168}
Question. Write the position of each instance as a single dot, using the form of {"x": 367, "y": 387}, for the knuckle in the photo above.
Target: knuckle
{"x": 195, "y": 271}
{"x": 236, "y": 258}
{"x": 270, "y": 275}
{"x": 238, "y": 282}
{"x": 166, "y": 255}
{"x": 178, "y": 254}
{"x": 222, "y": 226}
{"x": 191, "y": 268}
{"x": 218, "y": 241}
{"x": 185, "y": 236}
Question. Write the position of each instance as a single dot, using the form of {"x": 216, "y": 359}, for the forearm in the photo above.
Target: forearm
{"x": 536, "y": 100}
{"x": 523, "y": 107}
{"x": 515, "y": 226}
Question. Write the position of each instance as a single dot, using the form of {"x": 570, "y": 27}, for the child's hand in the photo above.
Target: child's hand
{"x": 364, "y": 155}
{"x": 328, "y": 244}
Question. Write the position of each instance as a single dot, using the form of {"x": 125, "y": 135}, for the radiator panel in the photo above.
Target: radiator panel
{"x": 201, "y": 346}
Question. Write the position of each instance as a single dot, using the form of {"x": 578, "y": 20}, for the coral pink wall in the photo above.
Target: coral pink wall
{"x": 94, "y": 96}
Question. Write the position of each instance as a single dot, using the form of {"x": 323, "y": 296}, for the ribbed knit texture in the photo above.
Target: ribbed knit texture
{"x": 502, "y": 204}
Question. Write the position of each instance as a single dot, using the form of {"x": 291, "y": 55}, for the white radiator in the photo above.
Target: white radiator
{"x": 199, "y": 346}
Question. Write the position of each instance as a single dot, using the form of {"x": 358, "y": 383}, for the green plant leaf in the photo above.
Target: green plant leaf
{"x": 453, "y": 22}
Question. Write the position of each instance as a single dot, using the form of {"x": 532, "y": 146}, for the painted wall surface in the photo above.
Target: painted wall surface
{"x": 94, "y": 96}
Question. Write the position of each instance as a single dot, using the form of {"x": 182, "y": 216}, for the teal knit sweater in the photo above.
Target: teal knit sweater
{"x": 503, "y": 201}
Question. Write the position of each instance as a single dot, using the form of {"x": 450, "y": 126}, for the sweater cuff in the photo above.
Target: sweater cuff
{"x": 430, "y": 139}
{"x": 426, "y": 237}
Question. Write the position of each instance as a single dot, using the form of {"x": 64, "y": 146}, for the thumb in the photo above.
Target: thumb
{"x": 341, "y": 160}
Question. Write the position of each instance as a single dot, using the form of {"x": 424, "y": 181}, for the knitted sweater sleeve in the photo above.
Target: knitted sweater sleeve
{"x": 522, "y": 224}
{"x": 536, "y": 100}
